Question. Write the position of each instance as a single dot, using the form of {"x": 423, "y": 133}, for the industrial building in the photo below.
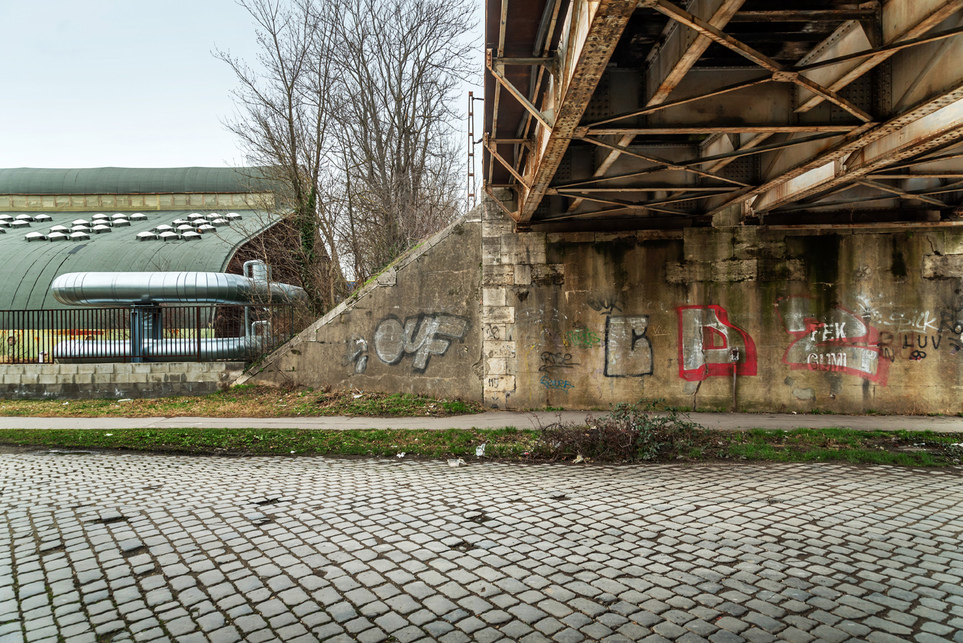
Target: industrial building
{"x": 58, "y": 221}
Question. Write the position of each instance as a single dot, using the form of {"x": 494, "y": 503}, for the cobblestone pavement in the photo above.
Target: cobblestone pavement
{"x": 98, "y": 547}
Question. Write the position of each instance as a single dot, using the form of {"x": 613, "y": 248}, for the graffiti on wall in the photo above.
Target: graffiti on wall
{"x": 421, "y": 336}
{"x": 554, "y": 383}
{"x": 551, "y": 361}
{"x": 836, "y": 340}
{"x": 604, "y": 305}
{"x": 709, "y": 345}
{"x": 628, "y": 352}
{"x": 358, "y": 354}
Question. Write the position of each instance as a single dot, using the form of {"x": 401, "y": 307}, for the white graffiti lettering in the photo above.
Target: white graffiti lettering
{"x": 420, "y": 335}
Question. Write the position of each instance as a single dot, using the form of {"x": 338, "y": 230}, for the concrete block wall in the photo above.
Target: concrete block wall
{"x": 87, "y": 381}
{"x": 847, "y": 320}
{"x": 500, "y": 273}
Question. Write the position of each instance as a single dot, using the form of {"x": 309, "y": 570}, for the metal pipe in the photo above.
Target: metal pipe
{"x": 112, "y": 288}
{"x": 145, "y": 291}
{"x": 168, "y": 350}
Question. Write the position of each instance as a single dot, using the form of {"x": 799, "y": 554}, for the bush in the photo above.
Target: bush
{"x": 629, "y": 433}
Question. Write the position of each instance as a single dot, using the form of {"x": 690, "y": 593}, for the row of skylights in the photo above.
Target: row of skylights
{"x": 192, "y": 227}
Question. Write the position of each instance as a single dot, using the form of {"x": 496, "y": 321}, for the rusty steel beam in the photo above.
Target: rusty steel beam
{"x": 936, "y": 123}
{"x": 861, "y": 11}
{"x": 667, "y": 165}
{"x": 856, "y": 140}
{"x": 651, "y": 205}
{"x": 882, "y": 187}
{"x": 914, "y": 175}
{"x": 838, "y": 205}
{"x": 687, "y": 59}
{"x": 496, "y": 99}
{"x": 514, "y": 91}
{"x": 720, "y": 13}
{"x": 683, "y": 101}
{"x": 546, "y": 32}
{"x": 718, "y": 129}
{"x": 779, "y": 73}
{"x": 941, "y": 10}
{"x": 943, "y": 189}
{"x": 891, "y": 49}
{"x": 508, "y": 166}
{"x": 744, "y": 149}
{"x": 926, "y": 160}
{"x": 593, "y": 34}
{"x": 748, "y": 149}
{"x": 489, "y": 189}
{"x": 652, "y": 188}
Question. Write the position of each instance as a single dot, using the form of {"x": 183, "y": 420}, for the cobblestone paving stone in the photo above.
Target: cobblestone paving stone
{"x": 112, "y": 547}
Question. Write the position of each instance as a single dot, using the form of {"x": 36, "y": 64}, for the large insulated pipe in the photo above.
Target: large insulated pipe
{"x": 143, "y": 291}
{"x": 120, "y": 288}
{"x": 162, "y": 351}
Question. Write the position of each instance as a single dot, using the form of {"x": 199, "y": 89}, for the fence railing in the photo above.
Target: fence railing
{"x": 232, "y": 332}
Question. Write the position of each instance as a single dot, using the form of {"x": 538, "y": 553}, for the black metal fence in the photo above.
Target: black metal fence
{"x": 230, "y": 332}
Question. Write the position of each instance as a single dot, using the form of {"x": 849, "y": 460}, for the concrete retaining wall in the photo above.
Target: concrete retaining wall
{"x": 824, "y": 319}
{"x": 413, "y": 329}
{"x": 848, "y": 320}
{"x": 83, "y": 381}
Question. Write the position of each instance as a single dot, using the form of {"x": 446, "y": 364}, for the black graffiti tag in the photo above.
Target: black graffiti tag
{"x": 552, "y": 360}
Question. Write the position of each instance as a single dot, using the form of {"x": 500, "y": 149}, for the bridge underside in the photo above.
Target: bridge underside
{"x": 665, "y": 114}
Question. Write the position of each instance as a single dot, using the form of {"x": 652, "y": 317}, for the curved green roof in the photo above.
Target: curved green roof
{"x": 28, "y": 267}
{"x": 126, "y": 180}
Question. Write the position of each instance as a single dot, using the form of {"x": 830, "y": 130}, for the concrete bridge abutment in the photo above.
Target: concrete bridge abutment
{"x": 796, "y": 318}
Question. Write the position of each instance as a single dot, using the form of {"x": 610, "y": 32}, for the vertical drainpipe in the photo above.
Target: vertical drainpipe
{"x": 734, "y": 359}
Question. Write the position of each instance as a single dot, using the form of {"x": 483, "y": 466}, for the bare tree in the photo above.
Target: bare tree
{"x": 285, "y": 107}
{"x": 403, "y": 61}
{"x": 347, "y": 111}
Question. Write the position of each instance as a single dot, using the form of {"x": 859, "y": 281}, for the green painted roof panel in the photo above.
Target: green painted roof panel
{"x": 126, "y": 180}
{"x": 28, "y": 268}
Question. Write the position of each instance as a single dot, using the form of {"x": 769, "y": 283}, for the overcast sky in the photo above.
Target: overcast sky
{"x": 124, "y": 83}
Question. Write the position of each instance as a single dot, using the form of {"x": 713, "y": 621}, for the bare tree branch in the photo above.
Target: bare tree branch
{"x": 348, "y": 110}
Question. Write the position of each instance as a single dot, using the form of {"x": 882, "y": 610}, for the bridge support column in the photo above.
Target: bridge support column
{"x": 498, "y": 310}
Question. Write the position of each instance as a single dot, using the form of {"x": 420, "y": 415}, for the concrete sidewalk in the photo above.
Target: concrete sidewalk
{"x": 498, "y": 419}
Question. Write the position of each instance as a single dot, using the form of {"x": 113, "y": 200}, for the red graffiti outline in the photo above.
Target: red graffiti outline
{"x": 869, "y": 341}
{"x": 747, "y": 364}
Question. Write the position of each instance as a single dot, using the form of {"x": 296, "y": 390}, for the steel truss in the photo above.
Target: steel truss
{"x": 658, "y": 112}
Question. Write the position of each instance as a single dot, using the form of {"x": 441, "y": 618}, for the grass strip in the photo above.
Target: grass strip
{"x": 250, "y": 401}
{"x": 903, "y": 448}
{"x": 354, "y": 442}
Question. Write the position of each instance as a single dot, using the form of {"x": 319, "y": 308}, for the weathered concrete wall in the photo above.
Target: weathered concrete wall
{"x": 87, "y": 381}
{"x": 841, "y": 320}
{"x": 414, "y": 329}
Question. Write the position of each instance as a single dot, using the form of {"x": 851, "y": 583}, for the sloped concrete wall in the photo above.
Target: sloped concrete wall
{"x": 414, "y": 329}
